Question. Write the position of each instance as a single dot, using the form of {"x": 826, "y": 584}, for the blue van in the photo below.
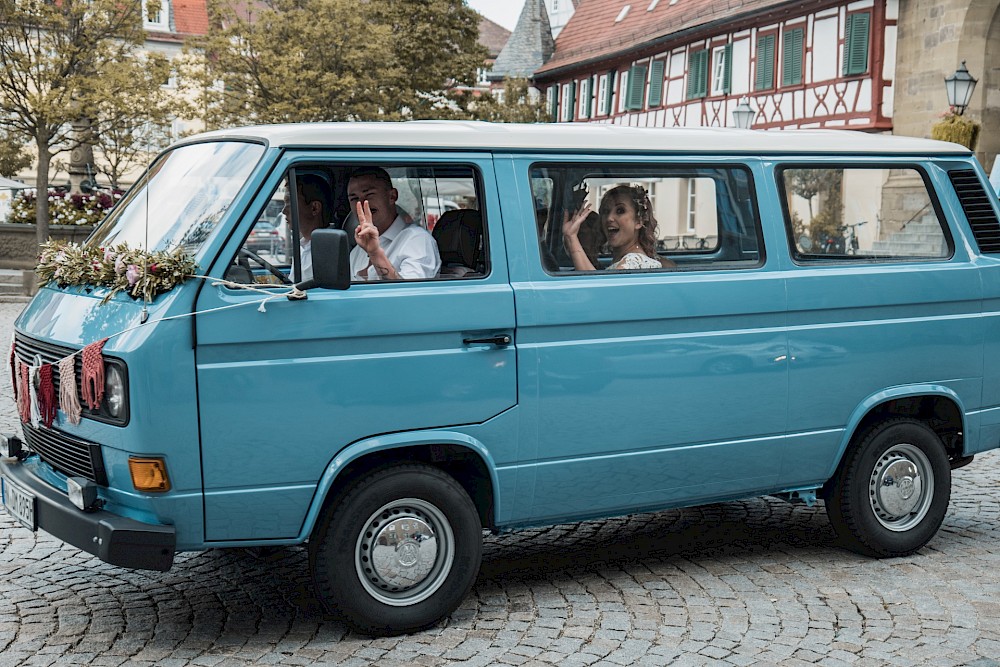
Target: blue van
{"x": 617, "y": 320}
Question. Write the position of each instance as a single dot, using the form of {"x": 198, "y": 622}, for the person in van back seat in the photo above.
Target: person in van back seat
{"x": 459, "y": 237}
{"x": 387, "y": 247}
{"x": 627, "y": 217}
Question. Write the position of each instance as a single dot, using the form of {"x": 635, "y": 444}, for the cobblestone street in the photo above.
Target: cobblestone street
{"x": 753, "y": 582}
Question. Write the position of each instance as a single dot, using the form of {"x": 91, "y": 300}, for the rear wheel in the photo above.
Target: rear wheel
{"x": 398, "y": 552}
{"x": 892, "y": 490}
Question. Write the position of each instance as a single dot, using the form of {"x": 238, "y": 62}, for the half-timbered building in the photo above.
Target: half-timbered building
{"x": 667, "y": 63}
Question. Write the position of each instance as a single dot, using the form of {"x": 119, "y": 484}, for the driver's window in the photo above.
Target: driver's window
{"x": 267, "y": 256}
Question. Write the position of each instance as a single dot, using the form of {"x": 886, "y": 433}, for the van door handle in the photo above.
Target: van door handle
{"x": 500, "y": 340}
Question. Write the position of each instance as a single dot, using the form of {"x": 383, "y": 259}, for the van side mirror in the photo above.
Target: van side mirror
{"x": 331, "y": 260}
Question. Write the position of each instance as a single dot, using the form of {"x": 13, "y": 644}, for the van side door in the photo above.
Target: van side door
{"x": 654, "y": 387}
{"x": 283, "y": 386}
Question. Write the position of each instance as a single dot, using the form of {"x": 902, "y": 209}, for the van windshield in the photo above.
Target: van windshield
{"x": 188, "y": 191}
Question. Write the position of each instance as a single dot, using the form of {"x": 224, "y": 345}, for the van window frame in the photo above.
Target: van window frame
{"x": 677, "y": 167}
{"x": 812, "y": 260}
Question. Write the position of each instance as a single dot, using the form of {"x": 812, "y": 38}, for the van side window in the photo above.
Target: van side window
{"x": 643, "y": 218}
{"x": 861, "y": 214}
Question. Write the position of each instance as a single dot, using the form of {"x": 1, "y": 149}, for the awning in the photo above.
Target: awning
{"x": 7, "y": 184}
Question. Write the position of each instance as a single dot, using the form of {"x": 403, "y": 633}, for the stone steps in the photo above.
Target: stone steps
{"x": 12, "y": 287}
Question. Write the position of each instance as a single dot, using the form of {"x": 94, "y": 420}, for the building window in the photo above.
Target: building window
{"x": 603, "y": 98}
{"x": 791, "y": 58}
{"x": 622, "y": 87}
{"x": 585, "y": 94}
{"x": 552, "y": 98}
{"x": 568, "y": 101}
{"x": 765, "y": 63}
{"x": 856, "y": 43}
{"x": 697, "y": 74}
{"x": 722, "y": 57}
{"x": 156, "y": 18}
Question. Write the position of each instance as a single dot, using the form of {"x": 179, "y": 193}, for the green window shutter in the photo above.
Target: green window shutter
{"x": 590, "y": 97}
{"x": 554, "y": 103}
{"x": 656, "y": 83}
{"x": 572, "y": 101}
{"x": 727, "y": 75}
{"x": 636, "y": 84}
{"x": 765, "y": 63}
{"x": 791, "y": 58}
{"x": 609, "y": 94}
{"x": 856, "y": 44}
{"x": 698, "y": 74}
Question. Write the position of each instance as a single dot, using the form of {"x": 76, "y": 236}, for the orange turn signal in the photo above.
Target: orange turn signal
{"x": 149, "y": 474}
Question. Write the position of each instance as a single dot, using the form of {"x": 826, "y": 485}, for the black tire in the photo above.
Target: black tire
{"x": 892, "y": 489}
{"x": 398, "y": 552}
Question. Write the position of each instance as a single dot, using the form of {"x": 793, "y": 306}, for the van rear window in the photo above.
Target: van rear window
{"x": 668, "y": 218}
{"x": 840, "y": 213}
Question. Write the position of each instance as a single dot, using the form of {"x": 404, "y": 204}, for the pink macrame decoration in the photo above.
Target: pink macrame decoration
{"x": 93, "y": 374}
{"x": 23, "y": 393}
{"x": 68, "y": 401}
{"x": 46, "y": 395}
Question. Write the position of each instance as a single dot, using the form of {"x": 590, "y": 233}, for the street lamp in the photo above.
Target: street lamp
{"x": 960, "y": 86}
{"x": 744, "y": 114}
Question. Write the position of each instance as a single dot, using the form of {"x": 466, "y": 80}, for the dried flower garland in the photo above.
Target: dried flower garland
{"x": 138, "y": 273}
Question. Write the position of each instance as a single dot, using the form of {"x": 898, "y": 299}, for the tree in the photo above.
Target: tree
{"x": 13, "y": 156}
{"x": 126, "y": 129}
{"x": 312, "y": 60}
{"x": 518, "y": 104}
{"x": 54, "y": 57}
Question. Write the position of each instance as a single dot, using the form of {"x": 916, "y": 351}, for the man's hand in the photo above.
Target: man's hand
{"x": 366, "y": 234}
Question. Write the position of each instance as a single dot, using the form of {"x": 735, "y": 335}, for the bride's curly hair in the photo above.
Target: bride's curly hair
{"x": 639, "y": 198}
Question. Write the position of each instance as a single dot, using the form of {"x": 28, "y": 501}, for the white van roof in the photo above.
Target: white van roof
{"x": 580, "y": 137}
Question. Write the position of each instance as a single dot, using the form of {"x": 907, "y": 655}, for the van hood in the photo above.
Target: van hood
{"x": 76, "y": 316}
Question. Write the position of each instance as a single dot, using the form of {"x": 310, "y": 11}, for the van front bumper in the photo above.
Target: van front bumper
{"x": 114, "y": 539}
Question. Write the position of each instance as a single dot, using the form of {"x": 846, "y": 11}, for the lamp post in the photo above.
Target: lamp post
{"x": 959, "y": 87}
{"x": 744, "y": 114}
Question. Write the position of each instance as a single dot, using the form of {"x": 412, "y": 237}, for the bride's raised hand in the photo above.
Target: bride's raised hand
{"x": 571, "y": 224}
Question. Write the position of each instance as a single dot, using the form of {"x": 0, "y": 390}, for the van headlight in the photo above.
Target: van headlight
{"x": 114, "y": 407}
{"x": 114, "y": 390}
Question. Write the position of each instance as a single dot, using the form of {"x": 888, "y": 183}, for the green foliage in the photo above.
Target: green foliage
{"x": 62, "y": 62}
{"x": 956, "y": 129}
{"x": 13, "y": 156}
{"x": 518, "y": 105}
{"x": 333, "y": 60}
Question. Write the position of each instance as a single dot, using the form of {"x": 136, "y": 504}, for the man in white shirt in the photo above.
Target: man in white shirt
{"x": 387, "y": 247}
{"x": 315, "y": 202}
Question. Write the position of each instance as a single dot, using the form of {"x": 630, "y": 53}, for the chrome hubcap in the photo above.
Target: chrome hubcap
{"x": 901, "y": 487}
{"x": 405, "y": 552}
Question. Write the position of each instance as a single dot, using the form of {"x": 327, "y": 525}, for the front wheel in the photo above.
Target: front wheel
{"x": 892, "y": 490}
{"x": 398, "y": 552}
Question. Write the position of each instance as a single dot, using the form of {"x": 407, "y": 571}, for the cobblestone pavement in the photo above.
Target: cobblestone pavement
{"x": 754, "y": 582}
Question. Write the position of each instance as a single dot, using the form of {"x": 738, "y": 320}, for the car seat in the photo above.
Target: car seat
{"x": 459, "y": 237}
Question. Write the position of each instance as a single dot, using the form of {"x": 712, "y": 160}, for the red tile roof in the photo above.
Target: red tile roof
{"x": 190, "y": 17}
{"x": 492, "y": 35}
{"x": 592, "y": 33}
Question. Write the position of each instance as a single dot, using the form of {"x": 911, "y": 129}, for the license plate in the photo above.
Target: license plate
{"x": 19, "y": 503}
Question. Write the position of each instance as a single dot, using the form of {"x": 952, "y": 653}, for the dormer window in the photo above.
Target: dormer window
{"x": 156, "y": 15}
{"x": 623, "y": 13}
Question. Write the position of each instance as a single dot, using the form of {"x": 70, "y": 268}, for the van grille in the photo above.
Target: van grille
{"x": 68, "y": 455}
{"x": 977, "y": 204}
